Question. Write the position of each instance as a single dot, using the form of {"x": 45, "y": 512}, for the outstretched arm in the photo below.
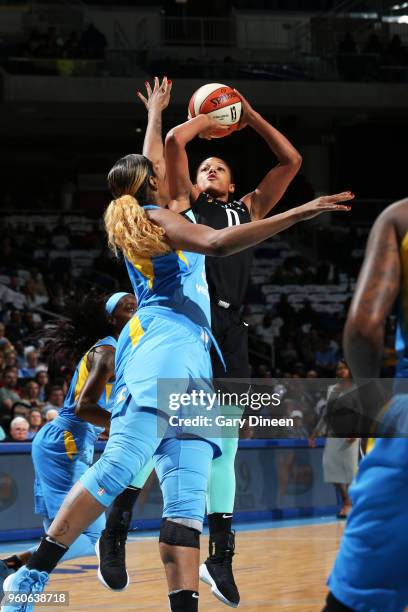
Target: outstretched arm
{"x": 272, "y": 187}
{"x": 155, "y": 101}
{"x": 102, "y": 368}
{"x": 376, "y": 291}
{"x": 181, "y": 234}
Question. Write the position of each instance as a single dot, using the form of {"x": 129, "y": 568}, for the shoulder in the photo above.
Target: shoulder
{"x": 396, "y": 214}
{"x": 101, "y": 356}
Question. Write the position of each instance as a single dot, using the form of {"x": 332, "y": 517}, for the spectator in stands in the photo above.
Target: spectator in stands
{"x": 35, "y": 420}
{"x": 326, "y": 357}
{"x": 396, "y": 52}
{"x": 37, "y": 280}
{"x": 55, "y": 400}
{"x": 289, "y": 355}
{"x": 307, "y": 314}
{"x": 15, "y": 329}
{"x": 31, "y": 366}
{"x": 52, "y": 44}
{"x": 61, "y": 236}
{"x": 19, "y": 427}
{"x": 32, "y": 394}
{"x": 8, "y": 395}
{"x": 93, "y": 43}
{"x": 33, "y": 322}
{"x": 21, "y": 409}
{"x": 71, "y": 49}
{"x": 299, "y": 430}
{"x": 42, "y": 380}
{"x": 284, "y": 309}
{"x": 11, "y": 359}
{"x": 33, "y": 299}
{"x": 51, "y": 415}
{"x": 4, "y": 342}
{"x": 373, "y": 45}
{"x": 266, "y": 330}
{"x": 340, "y": 457}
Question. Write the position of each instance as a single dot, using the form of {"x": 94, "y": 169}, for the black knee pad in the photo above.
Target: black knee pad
{"x": 177, "y": 534}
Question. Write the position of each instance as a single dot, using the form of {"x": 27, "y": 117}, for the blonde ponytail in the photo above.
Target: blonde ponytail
{"x": 130, "y": 230}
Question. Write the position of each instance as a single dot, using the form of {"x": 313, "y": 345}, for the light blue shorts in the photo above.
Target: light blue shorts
{"x": 182, "y": 465}
{"x": 149, "y": 348}
{"x": 60, "y": 458}
{"x": 371, "y": 570}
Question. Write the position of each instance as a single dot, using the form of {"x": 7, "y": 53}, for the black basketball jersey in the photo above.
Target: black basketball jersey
{"x": 227, "y": 276}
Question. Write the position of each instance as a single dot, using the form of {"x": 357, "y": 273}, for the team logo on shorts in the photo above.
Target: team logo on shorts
{"x": 101, "y": 492}
{"x": 121, "y": 396}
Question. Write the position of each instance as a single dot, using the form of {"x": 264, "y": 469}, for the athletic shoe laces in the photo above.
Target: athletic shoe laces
{"x": 115, "y": 543}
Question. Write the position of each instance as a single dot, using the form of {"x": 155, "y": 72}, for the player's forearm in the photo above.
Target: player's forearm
{"x": 93, "y": 413}
{"x": 153, "y": 147}
{"x": 279, "y": 144}
{"x": 363, "y": 349}
{"x": 234, "y": 239}
{"x": 181, "y": 134}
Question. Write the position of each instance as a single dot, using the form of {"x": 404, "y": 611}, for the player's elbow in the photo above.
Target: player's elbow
{"x": 294, "y": 161}
{"x": 216, "y": 245}
{"x": 81, "y": 407}
{"x": 366, "y": 327}
{"x": 174, "y": 140}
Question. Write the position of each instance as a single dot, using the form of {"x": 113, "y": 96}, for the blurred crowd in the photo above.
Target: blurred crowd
{"x": 378, "y": 58}
{"x": 37, "y": 277}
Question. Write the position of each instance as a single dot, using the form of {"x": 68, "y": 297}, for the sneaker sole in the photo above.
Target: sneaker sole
{"x": 5, "y": 588}
{"x": 6, "y": 607}
{"x": 11, "y": 572}
{"x": 206, "y": 577}
{"x": 101, "y": 578}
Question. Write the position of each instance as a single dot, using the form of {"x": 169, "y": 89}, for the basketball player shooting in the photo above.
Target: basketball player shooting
{"x": 209, "y": 200}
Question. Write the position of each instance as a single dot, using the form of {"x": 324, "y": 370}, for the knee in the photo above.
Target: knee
{"x": 177, "y": 534}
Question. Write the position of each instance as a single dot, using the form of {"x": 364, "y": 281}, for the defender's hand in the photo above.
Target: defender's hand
{"x": 157, "y": 98}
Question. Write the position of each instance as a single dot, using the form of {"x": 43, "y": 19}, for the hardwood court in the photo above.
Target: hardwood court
{"x": 277, "y": 570}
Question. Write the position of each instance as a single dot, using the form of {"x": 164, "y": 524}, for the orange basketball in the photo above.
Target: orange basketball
{"x": 219, "y": 101}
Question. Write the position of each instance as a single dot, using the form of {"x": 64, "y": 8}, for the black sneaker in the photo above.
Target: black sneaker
{"x": 216, "y": 571}
{"x": 110, "y": 550}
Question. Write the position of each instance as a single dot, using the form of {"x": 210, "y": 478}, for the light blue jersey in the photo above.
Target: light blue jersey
{"x": 67, "y": 416}
{"x": 176, "y": 281}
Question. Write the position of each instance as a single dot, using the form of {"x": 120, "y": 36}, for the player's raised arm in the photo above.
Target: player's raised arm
{"x": 178, "y": 173}
{"x": 180, "y": 234}
{"x": 101, "y": 362}
{"x": 272, "y": 187}
{"x": 377, "y": 289}
{"x": 155, "y": 101}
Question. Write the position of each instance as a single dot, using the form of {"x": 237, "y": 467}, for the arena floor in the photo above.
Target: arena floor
{"x": 280, "y": 566}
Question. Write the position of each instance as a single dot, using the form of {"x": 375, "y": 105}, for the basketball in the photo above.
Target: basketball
{"x": 219, "y": 101}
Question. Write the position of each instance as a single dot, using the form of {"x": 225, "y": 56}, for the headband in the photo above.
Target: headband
{"x": 113, "y": 301}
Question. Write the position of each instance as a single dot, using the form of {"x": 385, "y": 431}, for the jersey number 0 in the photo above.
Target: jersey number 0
{"x": 233, "y": 217}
